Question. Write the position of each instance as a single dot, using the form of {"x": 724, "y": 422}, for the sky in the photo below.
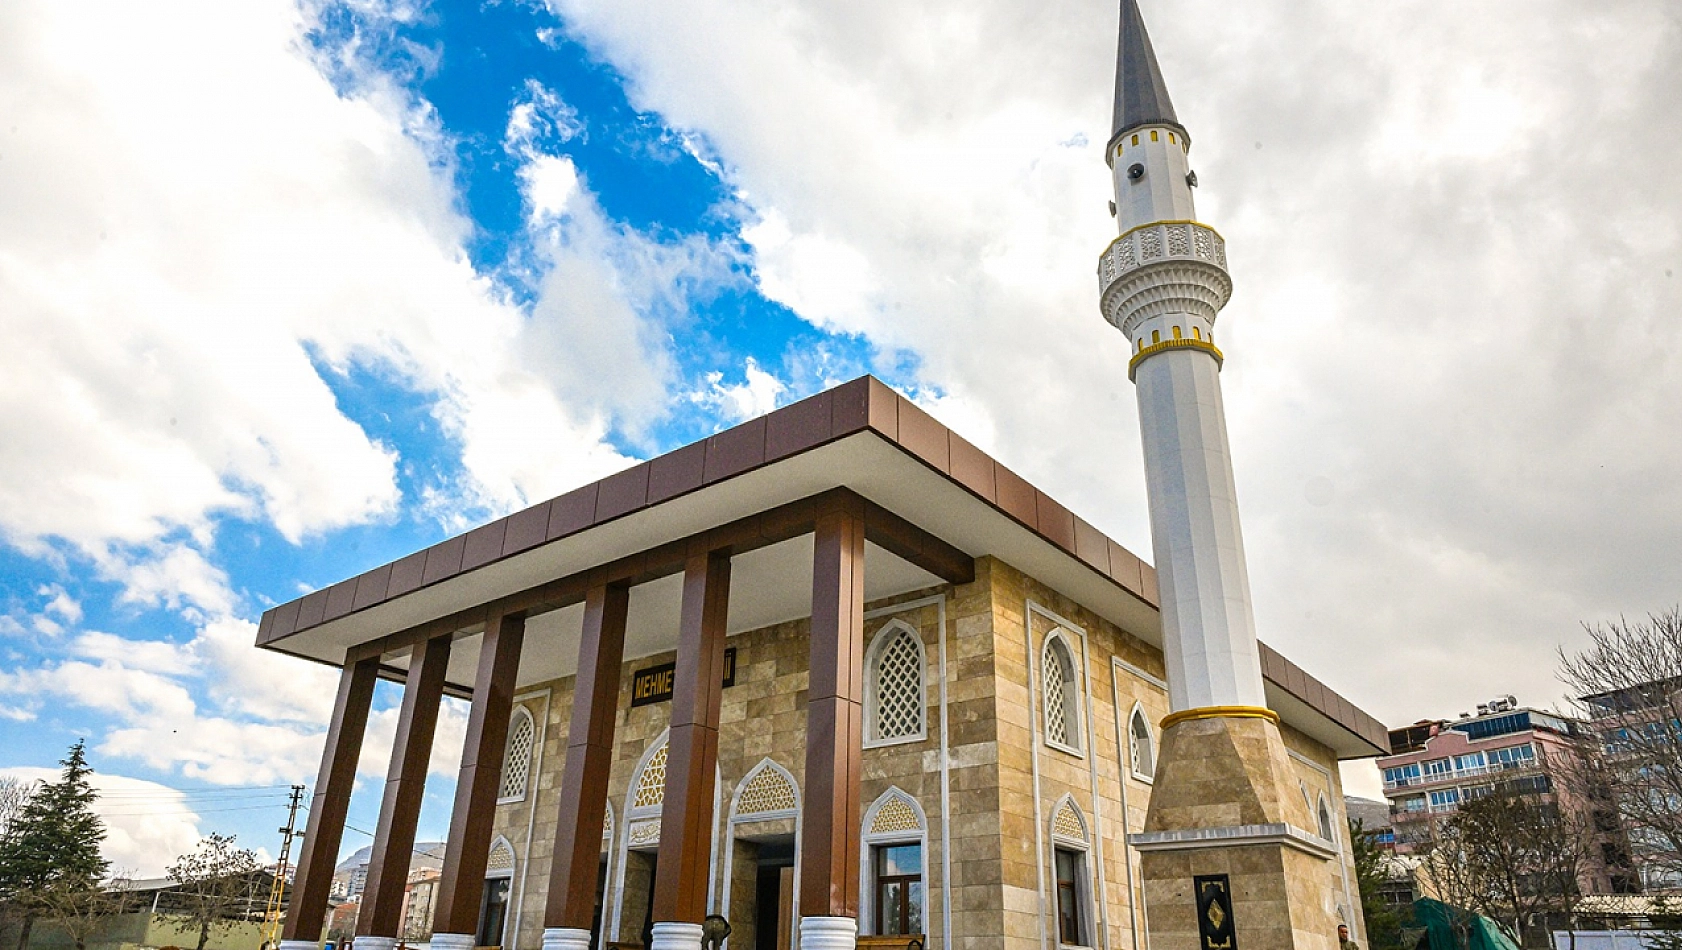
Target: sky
{"x": 292, "y": 288}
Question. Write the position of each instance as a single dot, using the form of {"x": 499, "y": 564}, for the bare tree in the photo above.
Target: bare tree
{"x": 1513, "y": 858}
{"x": 82, "y": 912}
{"x": 14, "y": 794}
{"x": 1450, "y": 873}
{"x": 1628, "y": 685}
{"x": 214, "y": 887}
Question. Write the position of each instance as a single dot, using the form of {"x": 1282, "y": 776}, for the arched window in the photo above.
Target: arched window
{"x": 516, "y": 757}
{"x": 766, "y": 792}
{"x": 1324, "y": 813}
{"x": 1143, "y": 746}
{"x": 649, "y": 791}
{"x": 499, "y": 877}
{"x": 895, "y": 707}
{"x": 894, "y": 842}
{"x": 1073, "y": 885}
{"x": 1061, "y": 687}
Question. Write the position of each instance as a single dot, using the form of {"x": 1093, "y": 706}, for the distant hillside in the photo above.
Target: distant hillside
{"x": 428, "y": 854}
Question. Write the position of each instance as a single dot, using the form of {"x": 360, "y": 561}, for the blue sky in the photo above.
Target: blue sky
{"x": 472, "y": 72}
{"x": 291, "y": 288}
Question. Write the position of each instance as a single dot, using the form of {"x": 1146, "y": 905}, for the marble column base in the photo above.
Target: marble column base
{"x": 454, "y": 941}
{"x": 566, "y": 938}
{"x": 670, "y": 935}
{"x": 300, "y": 945}
{"x": 828, "y": 933}
{"x": 361, "y": 942}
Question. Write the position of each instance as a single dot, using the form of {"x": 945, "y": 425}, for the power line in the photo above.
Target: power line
{"x": 185, "y": 811}
{"x": 191, "y": 791}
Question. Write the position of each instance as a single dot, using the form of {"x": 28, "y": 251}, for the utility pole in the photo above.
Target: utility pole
{"x": 277, "y": 891}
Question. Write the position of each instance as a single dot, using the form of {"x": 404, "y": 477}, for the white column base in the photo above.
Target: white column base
{"x": 566, "y": 938}
{"x": 373, "y": 943}
{"x": 670, "y": 935}
{"x": 300, "y": 945}
{"x": 829, "y": 933}
{"x": 454, "y": 941}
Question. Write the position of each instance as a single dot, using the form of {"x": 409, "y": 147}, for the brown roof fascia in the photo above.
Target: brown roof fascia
{"x": 881, "y": 526}
{"x": 1296, "y": 681}
{"x": 862, "y": 404}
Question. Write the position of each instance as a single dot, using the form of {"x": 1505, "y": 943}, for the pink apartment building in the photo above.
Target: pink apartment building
{"x": 1436, "y": 765}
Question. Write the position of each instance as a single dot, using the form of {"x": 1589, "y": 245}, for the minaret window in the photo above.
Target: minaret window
{"x": 1061, "y": 690}
{"x": 894, "y": 687}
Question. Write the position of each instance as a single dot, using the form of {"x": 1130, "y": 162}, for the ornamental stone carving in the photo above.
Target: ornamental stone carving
{"x": 1164, "y": 268}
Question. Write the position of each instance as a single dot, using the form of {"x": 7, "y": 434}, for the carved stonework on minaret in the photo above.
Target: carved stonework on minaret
{"x": 1222, "y": 805}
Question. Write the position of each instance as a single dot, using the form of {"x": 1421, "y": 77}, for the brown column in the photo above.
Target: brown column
{"x": 829, "y": 871}
{"x": 686, "y": 817}
{"x": 461, "y": 884}
{"x": 308, "y": 908}
{"x": 405, "y": 786}
{"x": 583, "y": 801}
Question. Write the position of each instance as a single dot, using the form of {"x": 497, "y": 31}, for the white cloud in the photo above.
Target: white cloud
{"x": 1454, "y": 280}
{"x": 174, "y": 285}
{"x": 151, "y": 656}
{"x": 61, "y": 603}
{"x": 755, "y": 395}
{"x": 146, "y": 824}
{"x": 539, "y": 121}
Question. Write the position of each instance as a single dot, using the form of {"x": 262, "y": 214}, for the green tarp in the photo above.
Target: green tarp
{"x": 1444, "y": 925}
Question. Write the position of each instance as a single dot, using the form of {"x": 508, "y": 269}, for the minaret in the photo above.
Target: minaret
{"x": 1225, "y": 814}
{"x": 1164, "y": 280}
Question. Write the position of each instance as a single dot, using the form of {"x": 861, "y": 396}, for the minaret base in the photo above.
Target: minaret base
{"x": 1224, "y": 803}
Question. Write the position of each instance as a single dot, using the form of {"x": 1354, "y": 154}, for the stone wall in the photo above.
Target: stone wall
{"x": 1004, "y": 783}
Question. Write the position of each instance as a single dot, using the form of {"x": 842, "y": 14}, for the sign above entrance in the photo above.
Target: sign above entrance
{"x": 654, "y": 685}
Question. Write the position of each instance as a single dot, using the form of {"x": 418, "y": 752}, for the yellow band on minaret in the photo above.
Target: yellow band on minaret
{"x": 1179, "y": 344}
{"x": 1220, "y": 712}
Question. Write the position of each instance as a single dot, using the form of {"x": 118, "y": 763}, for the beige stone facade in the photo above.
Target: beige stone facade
{"x": 991, "y": 786}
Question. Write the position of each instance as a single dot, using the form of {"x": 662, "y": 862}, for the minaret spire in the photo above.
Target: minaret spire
{"x": 1141, "y": 97}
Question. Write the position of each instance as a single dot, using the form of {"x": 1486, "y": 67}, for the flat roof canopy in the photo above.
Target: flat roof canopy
{"x": 936, "y": 501}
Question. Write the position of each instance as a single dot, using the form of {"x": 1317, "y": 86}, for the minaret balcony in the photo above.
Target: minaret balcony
{"x": 1163, "y": 267}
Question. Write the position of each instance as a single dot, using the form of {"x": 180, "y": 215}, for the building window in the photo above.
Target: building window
{"x": 893, "y": 892}
{"x": 1143, "y": 746}
{"x": 1445, "y": 798}
{"x": 1070, "y": 929}
{"x": 1466, "y": 763}
{"x": 899, "y": 888}
{"x": 1324, "y": 813}
{"x": 1438, "y": 768}
{"x": 516, "y": 759}
{"x": 493, "y": 912}
{"x": 1401, "y": 776}
{"x": 1511, "y": 757}
{"x": 894, "y": 686}
{"x": 1062, "y": 695}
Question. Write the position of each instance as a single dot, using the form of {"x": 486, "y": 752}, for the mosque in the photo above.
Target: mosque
{"x": 836, "y": 678}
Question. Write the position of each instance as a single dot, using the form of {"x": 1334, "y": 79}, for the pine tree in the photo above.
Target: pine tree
{"x": 52, "y": 844}
{"x": 1384, "y": 923}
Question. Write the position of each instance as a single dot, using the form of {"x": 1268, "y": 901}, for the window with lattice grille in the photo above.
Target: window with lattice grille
{"x": 651, "y": 785}
{"x": 1062, "y": 694}
{"x": 1144, "y": 750}
{"x": 516, "y": 761}
{"x": 896, "y": 686}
